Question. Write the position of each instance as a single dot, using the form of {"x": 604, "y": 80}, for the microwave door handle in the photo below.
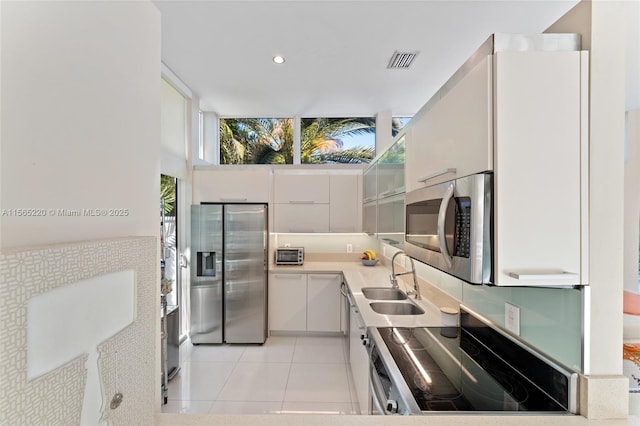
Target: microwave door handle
{"x": 442, "y": 216}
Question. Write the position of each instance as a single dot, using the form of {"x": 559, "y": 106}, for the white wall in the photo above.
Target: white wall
{"x": 604, "y": 392}
{"x": 81, "y": 129}
{"x": 632, "y": 201}
{"x": 81, "y": 119}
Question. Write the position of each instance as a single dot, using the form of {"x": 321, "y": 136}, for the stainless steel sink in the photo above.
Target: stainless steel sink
{"x": 383, "y": 293}
{"x": 388, "y": 308}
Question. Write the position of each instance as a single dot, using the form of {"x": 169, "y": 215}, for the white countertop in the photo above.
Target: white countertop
{"x": 358, "y": 276}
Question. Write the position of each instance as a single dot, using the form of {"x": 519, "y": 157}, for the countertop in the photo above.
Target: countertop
{"x": 358, "y": 276}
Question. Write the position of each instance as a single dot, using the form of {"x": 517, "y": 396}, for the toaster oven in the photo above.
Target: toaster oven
{"x": 289, "y": 256}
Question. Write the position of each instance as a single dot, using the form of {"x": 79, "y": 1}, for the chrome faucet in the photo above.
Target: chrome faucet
{"x": 394, "y": 279}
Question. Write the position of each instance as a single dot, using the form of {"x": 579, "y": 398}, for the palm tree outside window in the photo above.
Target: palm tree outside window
{"x": 348, "y": 140}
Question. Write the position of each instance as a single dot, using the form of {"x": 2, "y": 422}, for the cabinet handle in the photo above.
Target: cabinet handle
{"x": 301, "y": 202}
{"x": 425, "y": 178}
{"x": 323, "y": 276}
{"x": 288, "y": 276}
{"x": 556, "y": 276}
{"x": 232, "y": 200}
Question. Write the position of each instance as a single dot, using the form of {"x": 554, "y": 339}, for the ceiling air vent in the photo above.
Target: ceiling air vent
{"x": 402, "y": 60}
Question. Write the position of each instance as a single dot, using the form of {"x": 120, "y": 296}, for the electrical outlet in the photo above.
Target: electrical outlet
{"x": 349, "y": 248}
{"x": 287, "y": 244}
{"x": 512, "y": 318}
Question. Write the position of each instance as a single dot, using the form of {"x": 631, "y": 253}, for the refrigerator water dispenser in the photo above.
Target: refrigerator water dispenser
{"x": 206, "y": 264}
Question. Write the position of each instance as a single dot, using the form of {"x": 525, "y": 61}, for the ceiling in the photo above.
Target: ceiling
{"x": 336, "y": 51}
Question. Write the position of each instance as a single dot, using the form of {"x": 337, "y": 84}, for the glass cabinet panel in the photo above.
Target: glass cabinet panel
{"x": 391, "y": 219}
{"x": 370, "y": 192}
{"x": 370, "y": 218}
{"x": 391, "y": 170}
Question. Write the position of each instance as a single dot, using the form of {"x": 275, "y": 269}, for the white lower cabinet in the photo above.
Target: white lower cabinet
{"x": 323, "y": 302}
{"x": 359, "y": 360}
{"x": 288, "y": 302}
{"x": 304, "y": 302}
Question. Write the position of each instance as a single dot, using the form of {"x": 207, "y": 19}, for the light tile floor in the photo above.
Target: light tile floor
{"x": 287, "y": 374}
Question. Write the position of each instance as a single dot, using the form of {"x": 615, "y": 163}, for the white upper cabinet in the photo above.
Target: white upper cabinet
{"x": 345, "y": 208}
{"x": 454, "y": 137}
{"x": 301, "y": 188}
{"x": 540, "y": 163}
{"x": 243, "y": 185}
{"x": 308, "y": 201}
{"x": 524, "y": 116}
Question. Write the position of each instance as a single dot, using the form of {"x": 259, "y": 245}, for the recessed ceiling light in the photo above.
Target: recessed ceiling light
{"x": 278, "y": 59}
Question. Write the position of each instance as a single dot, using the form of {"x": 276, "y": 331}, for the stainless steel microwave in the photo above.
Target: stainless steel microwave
{"x": 289, "y": 256}
{"x": 449, "y": 226}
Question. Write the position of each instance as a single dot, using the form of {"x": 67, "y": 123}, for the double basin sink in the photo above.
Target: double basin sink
{"x": 401, "y": 305}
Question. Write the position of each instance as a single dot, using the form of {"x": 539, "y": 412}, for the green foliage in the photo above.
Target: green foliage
{"x": 270, "y": 141}
{"x": 168, "y": 193}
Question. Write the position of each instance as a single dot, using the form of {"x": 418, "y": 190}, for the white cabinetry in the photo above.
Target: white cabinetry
{"x": 323, "y": 302}
{"x": 453, "y": 138}
{"x": 288, "y": 302}
{"x": 359, "y": 359}
{"x": 301, "y": 188}
{"x": 540, "y": 162}
{"x": 237, "y": 185}
{"x": 523, "y": 116}
{"x": 313, "y": 202}
{"x": 305, "y": 302}
{"x": 345, "y": 204}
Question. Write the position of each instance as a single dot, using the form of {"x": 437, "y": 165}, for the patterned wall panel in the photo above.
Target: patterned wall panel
{"x": 127, "y": 360}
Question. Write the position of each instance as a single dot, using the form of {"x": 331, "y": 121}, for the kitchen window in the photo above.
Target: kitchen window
{"x": 349, "y": 140}
{"x": 256, "y": 140}
{"x": 326, "y": 140}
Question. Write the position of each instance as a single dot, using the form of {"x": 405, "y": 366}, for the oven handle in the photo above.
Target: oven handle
{"x": 374, "y": 393}
{"x": 442, "y": 215}
{"x": 374, "y": 384}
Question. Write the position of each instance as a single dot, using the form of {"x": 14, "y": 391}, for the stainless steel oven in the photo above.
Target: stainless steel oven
{"x": 468, "y": 369}
{"x": 448, "y": 226}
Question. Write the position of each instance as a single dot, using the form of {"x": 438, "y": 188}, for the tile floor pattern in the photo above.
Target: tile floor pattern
{"x": 287, "y": 374}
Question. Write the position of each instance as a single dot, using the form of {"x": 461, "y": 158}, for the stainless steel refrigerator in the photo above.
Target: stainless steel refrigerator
{"x": 229, "y": 270}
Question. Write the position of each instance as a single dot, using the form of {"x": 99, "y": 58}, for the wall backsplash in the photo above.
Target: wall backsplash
{"x": 550, "y": 318}
{"x": 324, "y": 243}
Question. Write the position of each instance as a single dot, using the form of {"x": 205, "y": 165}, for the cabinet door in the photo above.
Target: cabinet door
{"x": 453, "y": 138}
{"x": 301, "y": 188}
{"x": 391, "y": 170}
{"x": 323, "y": 302}
{"x": 359, "y": 361}
{"x": 370, "y": 183}
{"x": 345, "y": 204}
{"x": 370, "y": 218}
{"x": 301, "y": 218}
{"x": 288, "y": 302}
{"x": 391, "y": 219}
{"x": 233, "y": 186}
{"x": 540, "y": 197}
